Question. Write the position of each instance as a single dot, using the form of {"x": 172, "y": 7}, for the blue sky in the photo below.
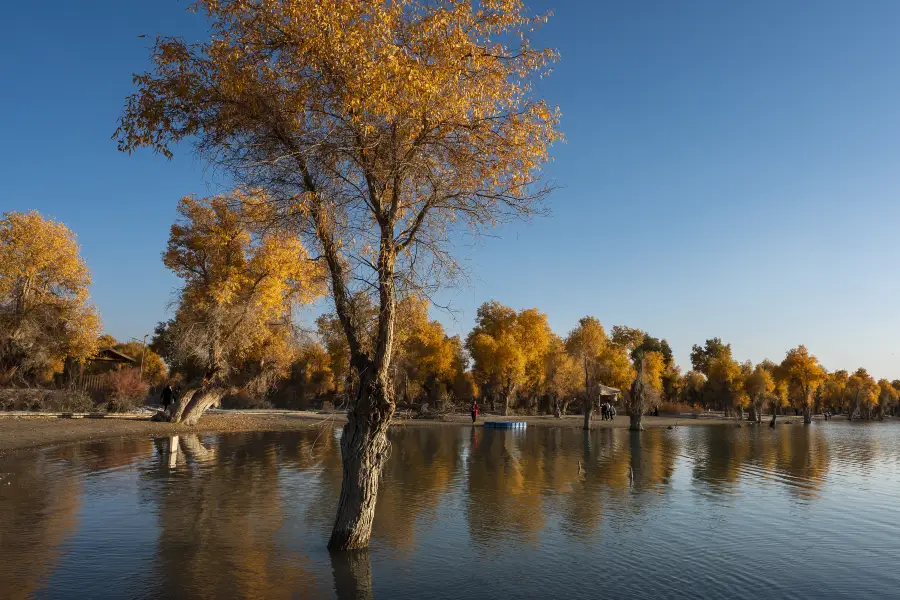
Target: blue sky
{"x": 732, "y": 170}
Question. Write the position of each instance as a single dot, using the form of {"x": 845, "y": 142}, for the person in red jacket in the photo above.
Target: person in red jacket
{"x": 474, "y": 410}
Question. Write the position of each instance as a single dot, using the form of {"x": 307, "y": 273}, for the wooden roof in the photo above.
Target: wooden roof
{"x": 110, "y": 355}
{"x": 609, "y": 391}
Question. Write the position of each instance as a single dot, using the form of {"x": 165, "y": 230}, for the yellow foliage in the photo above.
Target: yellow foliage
{"x": 154, "y": 369}
{"x": 240, "y": 284}
{"x": 803, "y": 374}
{"x": 45, "y": 315}
{"x": 509, "y": 349}
{"x": 424, "y": 353}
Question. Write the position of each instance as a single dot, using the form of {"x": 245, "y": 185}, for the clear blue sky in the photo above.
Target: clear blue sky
{"x": 732, "y": 169}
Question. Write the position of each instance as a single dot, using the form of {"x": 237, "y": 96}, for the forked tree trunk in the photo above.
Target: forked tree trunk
{"x": 199, "y": 403}
{"x": 364, "y": 450}
{"x": 635, "y": 416}
{"x": 193, "y": 404}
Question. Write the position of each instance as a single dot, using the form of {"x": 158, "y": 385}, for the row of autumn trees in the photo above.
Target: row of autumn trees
{"x": 517, "y": 359}
{"x": 234, "y": 324}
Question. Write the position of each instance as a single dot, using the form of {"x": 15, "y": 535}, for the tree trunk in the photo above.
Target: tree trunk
{"x": 588, "y": 412}
{"x": 364, "y": 450}
{"x": 774, "y": 416}
{"x": 752, "y": 411}
{"x": 636, "y": 416}
{"x": 807, "y": 415}
{"x": 506, "y": 404}
{"x": 177, "y": 409}
{"x": 193, "y": 404}
{"x": 202, "y": 400}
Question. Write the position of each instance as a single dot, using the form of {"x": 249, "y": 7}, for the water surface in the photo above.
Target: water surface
{"x": 704, "y": 511}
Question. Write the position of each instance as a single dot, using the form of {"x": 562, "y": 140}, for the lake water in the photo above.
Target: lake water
{"x": 703, "y": 511}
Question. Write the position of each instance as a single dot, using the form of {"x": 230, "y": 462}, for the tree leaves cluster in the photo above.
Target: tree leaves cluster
{"x": 45, "y": 312}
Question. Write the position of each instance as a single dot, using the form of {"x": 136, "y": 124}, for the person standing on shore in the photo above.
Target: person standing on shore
{"x": 166, "y": 397}
{"x": 474, "y": 411}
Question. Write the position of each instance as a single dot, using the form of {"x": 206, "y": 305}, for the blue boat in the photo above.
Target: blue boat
{"x": 506, "y": 424}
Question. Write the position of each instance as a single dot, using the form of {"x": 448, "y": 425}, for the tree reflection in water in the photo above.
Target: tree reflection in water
{"x": 352, "y": 575}
{"x": 220, "y": 511}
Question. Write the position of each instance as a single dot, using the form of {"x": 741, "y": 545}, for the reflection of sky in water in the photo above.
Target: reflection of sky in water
{"x": 463, "y": 512}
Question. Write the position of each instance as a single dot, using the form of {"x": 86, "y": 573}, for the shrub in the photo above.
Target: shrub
{"x": 40, "y": 400}
{"x": 244, "y": 400}
{"x": 677, "y": 408}
{"x": 125, "y": 390}
{"x": 71, "y": 401}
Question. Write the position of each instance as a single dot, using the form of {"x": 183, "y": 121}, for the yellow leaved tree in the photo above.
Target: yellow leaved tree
{"x": 803, "y": 374}
{"x": 378, "y": 129}
{"x": 725, "y": 384}
{"x": 833, "y": 390}
{"x": 426, "y": 358}
{"x": 759, "y": 386}
{"x": 602, "y": 362}
{"x": 862, "y": 393}
{"x": 506, "y": 348}
{"x": 563, "y": 375}
{"x": 233, "y": 316}
{"x": 646, "y": 386}
{"x": 887, "y": 398}
{"x": 45, "y": 313}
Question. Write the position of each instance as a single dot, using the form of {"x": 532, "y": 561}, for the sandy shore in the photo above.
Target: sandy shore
{"x": 20, "y": 432}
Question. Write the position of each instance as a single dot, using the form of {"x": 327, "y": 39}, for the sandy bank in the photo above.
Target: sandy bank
{"x": 33, "y": 431}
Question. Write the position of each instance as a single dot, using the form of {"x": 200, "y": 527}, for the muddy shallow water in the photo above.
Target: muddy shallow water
{"x": 714, "y": 512}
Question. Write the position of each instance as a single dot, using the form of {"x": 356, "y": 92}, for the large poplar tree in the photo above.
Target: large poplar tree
{"x": 378, "y": 128}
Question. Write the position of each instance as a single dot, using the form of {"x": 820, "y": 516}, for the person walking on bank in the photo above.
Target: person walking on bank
{"x": 474, "y": 411}
{"x": 166, "y": 397}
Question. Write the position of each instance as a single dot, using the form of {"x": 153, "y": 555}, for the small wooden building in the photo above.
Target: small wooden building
{"x": 92, "y": 374}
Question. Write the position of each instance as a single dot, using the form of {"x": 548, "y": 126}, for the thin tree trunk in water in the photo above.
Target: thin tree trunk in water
{"x": 752, "y": 411}
{"x": 364, "y": 450}
{"x": 636, "y": 416}
{"x": 807, "y": 416}
{"x": 588, "y": 413}
{"x": 774, "y": 416}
